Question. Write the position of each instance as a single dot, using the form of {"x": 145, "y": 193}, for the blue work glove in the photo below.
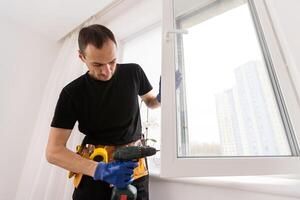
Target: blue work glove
{"x": 178, "y": 79}
{"x": 118, "y": 173}
{"x": 158, "y": 96}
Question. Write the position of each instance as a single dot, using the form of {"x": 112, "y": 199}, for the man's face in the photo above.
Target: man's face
{"x": 100, "y": 62}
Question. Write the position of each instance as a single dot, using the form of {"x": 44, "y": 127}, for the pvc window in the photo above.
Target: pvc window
{"x": 235, "y": 110}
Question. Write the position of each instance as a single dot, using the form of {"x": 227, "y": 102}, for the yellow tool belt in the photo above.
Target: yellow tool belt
{"x": 105, "y": 153}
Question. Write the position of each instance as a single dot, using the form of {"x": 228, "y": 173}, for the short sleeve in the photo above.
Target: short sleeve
{"x": 144, "y": 84}
{"x": 65, "y": 112}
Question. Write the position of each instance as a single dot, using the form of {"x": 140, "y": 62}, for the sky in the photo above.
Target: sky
{"x": 212, "y": 50}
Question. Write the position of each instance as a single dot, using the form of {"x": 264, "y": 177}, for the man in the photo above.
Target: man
{"x": 104, "y": 101}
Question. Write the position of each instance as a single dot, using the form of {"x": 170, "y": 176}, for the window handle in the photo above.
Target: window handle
{"x": 175, "y": 31}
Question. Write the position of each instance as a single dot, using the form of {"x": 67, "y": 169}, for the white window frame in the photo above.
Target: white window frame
{"x": 171, "y": 165}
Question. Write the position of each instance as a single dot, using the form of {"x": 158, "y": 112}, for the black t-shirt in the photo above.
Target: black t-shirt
{"x": 107, "y": 111}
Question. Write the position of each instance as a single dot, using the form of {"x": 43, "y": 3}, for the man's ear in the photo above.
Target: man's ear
{"x": 81, "y": 56}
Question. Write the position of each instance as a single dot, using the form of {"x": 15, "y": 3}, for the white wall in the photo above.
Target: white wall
{"x": 25, "y": 64}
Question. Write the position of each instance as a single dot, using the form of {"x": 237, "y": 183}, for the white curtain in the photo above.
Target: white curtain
{"x": 39, "y": 179}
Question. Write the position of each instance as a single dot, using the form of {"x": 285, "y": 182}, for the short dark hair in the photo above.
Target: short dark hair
{"x": 96, "y": 35}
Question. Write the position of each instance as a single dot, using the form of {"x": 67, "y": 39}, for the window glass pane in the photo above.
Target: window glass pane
{"x": 226, "y": 105}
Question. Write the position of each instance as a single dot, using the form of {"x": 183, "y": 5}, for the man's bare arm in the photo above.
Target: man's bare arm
{"x": 58, "y": 154}
{"x": 150, "y": 100}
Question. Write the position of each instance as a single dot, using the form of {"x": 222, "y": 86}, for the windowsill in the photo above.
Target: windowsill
{"x": 287, "y": 186}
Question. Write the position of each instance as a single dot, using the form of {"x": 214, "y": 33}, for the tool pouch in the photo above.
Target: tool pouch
{"x": 105, "y": 154}
{"x": 85, "y": 152}
{"x": 141, "y": 170}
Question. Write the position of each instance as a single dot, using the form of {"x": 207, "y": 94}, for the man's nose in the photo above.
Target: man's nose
{"x": 106, "y": 69}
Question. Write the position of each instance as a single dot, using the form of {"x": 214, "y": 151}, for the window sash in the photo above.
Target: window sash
{"x": 171, "y": 165}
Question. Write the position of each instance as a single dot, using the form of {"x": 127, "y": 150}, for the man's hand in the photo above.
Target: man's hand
{"x": 118, "y": 174}
{"x": 178, "y": 79}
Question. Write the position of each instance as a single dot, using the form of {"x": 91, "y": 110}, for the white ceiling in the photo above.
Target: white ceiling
{"x": 51, "y": 18}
